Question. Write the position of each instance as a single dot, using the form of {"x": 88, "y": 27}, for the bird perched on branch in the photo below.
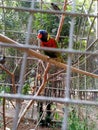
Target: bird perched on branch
{"x": 54, "y": 6}
{"x": 47, "y": 41}
{"x": 2, "y": 60}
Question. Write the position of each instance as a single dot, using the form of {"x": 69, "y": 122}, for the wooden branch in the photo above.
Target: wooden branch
{"x": 24, "y": 111}
{"x": 12, "y": 76}
{"x": 45, "y": 58}
{"x": 17, "y": 65}
{"x": 44, "y": 80}
{"x": 61, "y": 22}
{"x": 37, "y": 93}
{"x": 12, "y": 104}
{"x": 56, "y": 74}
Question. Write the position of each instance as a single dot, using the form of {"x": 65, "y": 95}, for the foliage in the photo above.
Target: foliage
{"x": 4, "y": 89}
{"x": 75, "y": 123}
{"x": 44, "y": 22}
{"x": 25, "y": 88}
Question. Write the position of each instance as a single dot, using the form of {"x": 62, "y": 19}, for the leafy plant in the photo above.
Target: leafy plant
{"x": 26, "y": 88}
{"x": 75, "y": 123}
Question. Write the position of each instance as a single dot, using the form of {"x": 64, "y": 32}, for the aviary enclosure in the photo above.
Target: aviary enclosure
{"x": 38, "y": 92}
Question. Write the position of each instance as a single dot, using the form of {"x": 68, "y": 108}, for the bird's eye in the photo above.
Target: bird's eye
{"x": 39, "y": 36}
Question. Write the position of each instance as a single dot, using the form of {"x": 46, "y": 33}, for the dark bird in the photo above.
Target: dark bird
{"x": 54, "y": 6}
{"x": 47, "y": 41}
{"x": 2, "y": 60}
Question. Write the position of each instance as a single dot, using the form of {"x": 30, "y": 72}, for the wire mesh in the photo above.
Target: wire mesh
{"x": 72, "y": 95}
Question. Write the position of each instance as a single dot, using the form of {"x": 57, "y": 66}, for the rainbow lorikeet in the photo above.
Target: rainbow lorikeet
{"x": 47, "y": 41}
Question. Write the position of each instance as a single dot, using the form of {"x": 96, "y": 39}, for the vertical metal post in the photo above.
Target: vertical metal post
{"x": 23, "y": 66}
{"x": 96, "y": 12}
{"x": 68, "y": 76}
{"x": 96, "y": 18}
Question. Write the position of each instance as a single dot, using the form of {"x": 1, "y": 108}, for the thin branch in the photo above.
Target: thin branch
{"x": 17, "y": 65}
{"x": 61, "y": 21}
{"x": 44, "y": 80}
{"x": 55, "y": 74}
{"x": 12, "y": 104}
{"x": 13, "y": 77}
{"x": 37, "y": 93}
{"x": 41, "y": 117}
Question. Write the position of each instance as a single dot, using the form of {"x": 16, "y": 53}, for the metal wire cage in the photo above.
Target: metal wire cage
{"x": 67, "y": 92}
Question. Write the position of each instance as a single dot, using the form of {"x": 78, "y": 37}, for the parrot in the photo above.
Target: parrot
{"x": 2, "y": 60}
{"x": 47, "y": 41}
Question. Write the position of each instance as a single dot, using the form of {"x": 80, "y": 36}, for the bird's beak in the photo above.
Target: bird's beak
{"x": 39, "y": 36}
